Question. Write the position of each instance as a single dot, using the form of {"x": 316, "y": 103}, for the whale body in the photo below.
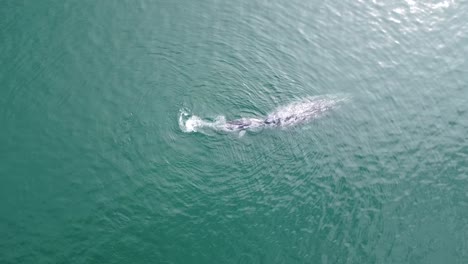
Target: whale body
{"x": 295, "y": 113}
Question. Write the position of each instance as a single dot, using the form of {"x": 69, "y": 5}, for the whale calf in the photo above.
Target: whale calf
{"x": 298, "y": 112}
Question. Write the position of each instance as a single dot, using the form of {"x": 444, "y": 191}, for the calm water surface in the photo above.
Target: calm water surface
{"x": 94, "y": 167}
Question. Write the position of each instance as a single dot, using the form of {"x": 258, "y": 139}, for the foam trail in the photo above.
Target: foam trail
{"x": 192, "y": 123}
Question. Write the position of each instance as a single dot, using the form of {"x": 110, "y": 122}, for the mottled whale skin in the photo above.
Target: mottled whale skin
{"x": 298, "y": 112}
{"x": 292, "y": 114}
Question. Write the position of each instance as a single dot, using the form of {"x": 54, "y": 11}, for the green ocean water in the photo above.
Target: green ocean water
{"x": 95, "y": 168}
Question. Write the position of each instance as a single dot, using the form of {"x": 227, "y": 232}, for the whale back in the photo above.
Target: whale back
{"x": 300, "y": 112}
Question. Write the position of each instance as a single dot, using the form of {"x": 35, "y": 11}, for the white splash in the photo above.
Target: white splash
{"x": 192, "y": 123}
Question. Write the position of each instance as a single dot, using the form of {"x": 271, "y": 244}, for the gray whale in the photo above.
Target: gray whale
{"x": 295, "y": 113}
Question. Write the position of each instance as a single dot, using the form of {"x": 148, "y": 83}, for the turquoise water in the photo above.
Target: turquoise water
{"x": 95, "y": 167}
